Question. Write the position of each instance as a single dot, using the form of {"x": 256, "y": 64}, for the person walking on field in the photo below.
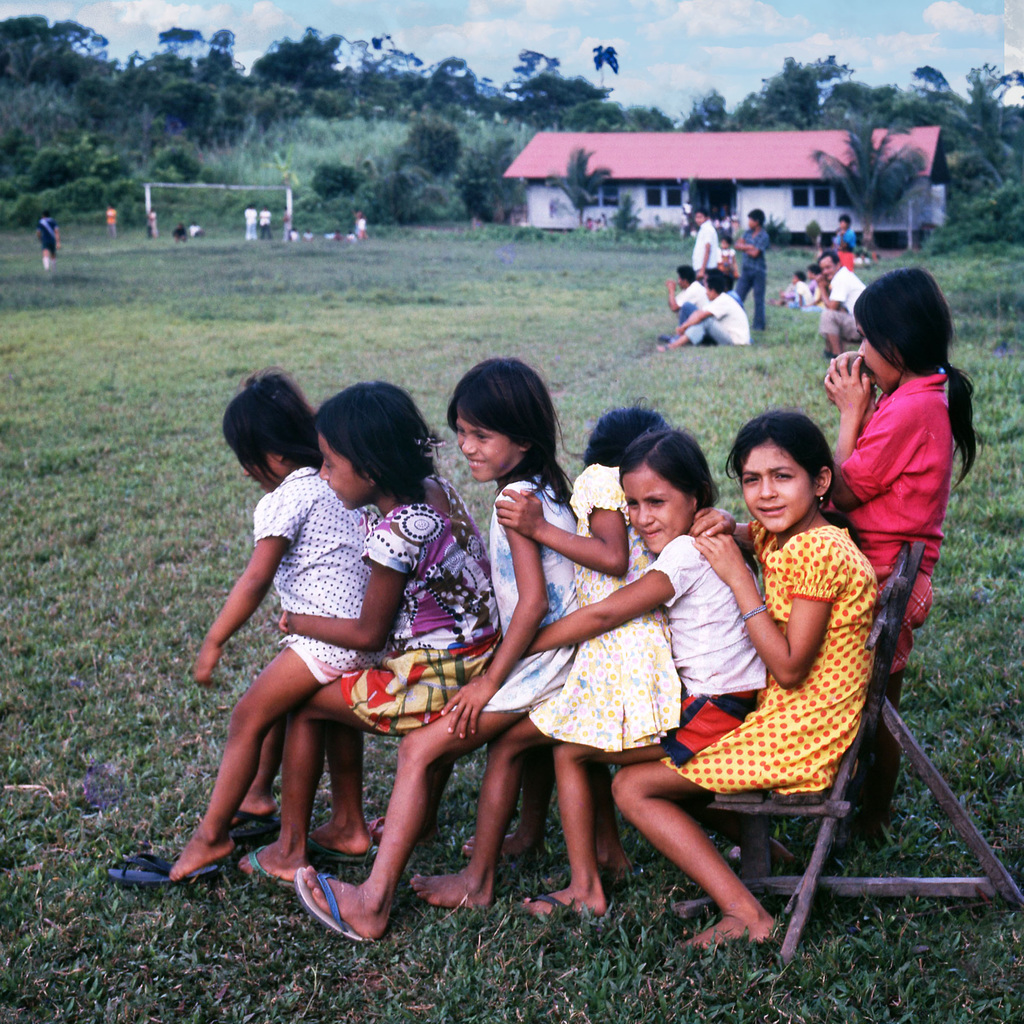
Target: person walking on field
{"x": 49, "y": 235}
{"x": 251, "y": 216}
{"x": 111, "y": 221}
{"x": 265, "y": 224}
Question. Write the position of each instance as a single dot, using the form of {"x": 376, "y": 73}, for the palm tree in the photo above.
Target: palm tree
{"x": 580, "y": 184}
{"x": 878, "y": 177}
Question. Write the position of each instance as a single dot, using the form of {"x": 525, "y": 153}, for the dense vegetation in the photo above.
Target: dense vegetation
{"x": 365, "y": 125}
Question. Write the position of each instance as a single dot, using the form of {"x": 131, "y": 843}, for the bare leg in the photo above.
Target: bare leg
{"x": 346, "y": 832}
{"x": 880, "y": 782}
{"x": 281, "y": 686}
{"x": 367, "y": 907}
{"x": 833, "y": 344}
{"x": 474, "y": 885}
{"x": 260, "y": 798}
{"x": 535, "y": 799}
{"x": 439, "y": 779}
{"x": 647, "y": 795}
{"x": 303, "y": 766}
{"x": 611, "y": 857}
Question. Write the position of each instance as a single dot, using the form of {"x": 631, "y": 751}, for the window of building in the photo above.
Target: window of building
{"x": 673, "y": 196}
{"x": 608, "y": 195}
{"x": 654, "y": 195}
{"x": 842, "y": 196}
{"x": 801, "y": 195}
{"x": 822, "y": 195}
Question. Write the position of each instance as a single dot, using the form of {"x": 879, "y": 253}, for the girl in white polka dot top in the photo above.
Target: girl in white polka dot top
{"x": 309, "y": 547}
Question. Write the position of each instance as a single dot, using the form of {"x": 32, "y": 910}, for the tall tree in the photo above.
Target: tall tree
{"x": 878, "y": 175}
{"x": 580, "y": 184}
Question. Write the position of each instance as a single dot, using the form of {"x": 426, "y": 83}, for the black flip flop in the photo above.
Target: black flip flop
{"x": 253, "y": 826}
{"x": 146, "y": 871}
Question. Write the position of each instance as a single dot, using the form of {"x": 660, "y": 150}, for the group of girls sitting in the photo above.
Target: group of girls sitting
{"x": 616, "y": 622}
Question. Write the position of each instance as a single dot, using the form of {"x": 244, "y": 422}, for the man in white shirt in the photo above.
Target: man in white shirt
{"x": 841, "y": 288}
{"x": 722, "y": 322}
{"x": 706, "y": 253}
{"x": 250, "y": 223}
{"x": 691, "y": 298}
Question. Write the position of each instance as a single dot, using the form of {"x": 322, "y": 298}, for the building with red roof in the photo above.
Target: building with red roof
{"x": 729, "y": 173}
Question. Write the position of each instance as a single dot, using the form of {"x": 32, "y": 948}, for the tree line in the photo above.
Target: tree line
{"x": 79, "y": 130}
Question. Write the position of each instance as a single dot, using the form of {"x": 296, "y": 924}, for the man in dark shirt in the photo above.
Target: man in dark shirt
{"x": 49, "y": 235}
{"x": 753, "y": 245}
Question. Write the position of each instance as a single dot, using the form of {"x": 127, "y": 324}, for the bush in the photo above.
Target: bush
{"x": 778, "y": 232}
{"x": 332, "y": 180}
{"x": 813, "y": 232}
{"x": 626, "y": 218}
{"x": 435, "y": 145}
{"x": 174, "y": 165}
{"x": 981, "y": 219}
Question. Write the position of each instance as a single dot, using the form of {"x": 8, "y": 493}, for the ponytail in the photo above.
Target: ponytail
{"x": 960, "y": 388}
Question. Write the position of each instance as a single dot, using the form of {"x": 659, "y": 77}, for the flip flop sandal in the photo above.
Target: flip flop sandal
{"x": 259, "y": 872}
{"x": 552, "y": 901}
{"x": 339, "y": 856}
{"x": 331, "y": 921}
{"x": 146, "y": 871}
{"x": 250, "y": 826}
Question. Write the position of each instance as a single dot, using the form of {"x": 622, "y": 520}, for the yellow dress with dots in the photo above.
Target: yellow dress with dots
{"x": 795, "y": 739}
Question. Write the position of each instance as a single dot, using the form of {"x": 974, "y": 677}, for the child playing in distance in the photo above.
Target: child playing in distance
{"x": 809, "y": 629}
{"x": 627, "y": 694}
{"x": 507, "y": 429}
{"x": 895, "y": 458}
{"x": 428, "y": 603}
{"x": 307, "y": 545}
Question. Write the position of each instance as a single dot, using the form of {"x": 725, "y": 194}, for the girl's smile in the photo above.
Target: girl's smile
{"x": 491, "y": 456}
{"x": 354, "y": 489}
{"x": 780, "y": 493}
{"x": 658, "y": 511}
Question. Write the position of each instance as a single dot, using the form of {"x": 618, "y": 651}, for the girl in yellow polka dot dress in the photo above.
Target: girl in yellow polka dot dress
{"x": 809, "y": 630}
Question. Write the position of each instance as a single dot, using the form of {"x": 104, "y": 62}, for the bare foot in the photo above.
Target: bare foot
{"x": 428, "y": 835}
{"x": 199, "y": 852}
{"x": 353, "y": 842}
{"x": 452, "y": 891}
{"x": 734, "y": 927}
{"x": 542, "y": 906}
{"x": 258, "y": 806}
{"x": 367, "y": 920}
{"x": 273, "y": 863}
{"x": 515, "y": 844}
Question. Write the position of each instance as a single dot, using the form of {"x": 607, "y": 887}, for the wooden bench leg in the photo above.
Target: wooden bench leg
{"x": 803, "y": 898}
{"x": 946, "y": 798}
{"x": 755, "y": 846}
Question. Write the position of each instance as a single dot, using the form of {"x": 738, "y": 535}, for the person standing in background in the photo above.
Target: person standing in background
{"x": 49, "y": 235}
{"x": 754, "y": 244}
{"x": 111, "y": 221}
{"x": 251, "y": 216}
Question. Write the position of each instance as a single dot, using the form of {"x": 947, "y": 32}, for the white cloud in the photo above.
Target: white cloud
{"x": 712, "y": 19}
{"x": 54, "y": 11}
{"x": 950, "y": 16}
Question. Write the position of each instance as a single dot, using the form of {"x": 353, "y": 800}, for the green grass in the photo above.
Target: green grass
{"x": 126, "y": 520}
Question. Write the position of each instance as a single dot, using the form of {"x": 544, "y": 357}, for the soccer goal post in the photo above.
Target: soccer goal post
{"x": 286, "y": 189}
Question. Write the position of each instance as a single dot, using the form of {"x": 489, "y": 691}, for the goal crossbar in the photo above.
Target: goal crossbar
{"x": 286, "y": 189}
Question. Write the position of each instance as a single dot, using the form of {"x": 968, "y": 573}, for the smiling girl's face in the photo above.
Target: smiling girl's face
{"x": 491, "y": 456}
{"x": 659, "y": 511}
{"x": 781, "y": 495}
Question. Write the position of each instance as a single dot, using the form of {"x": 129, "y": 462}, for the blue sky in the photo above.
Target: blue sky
{"x": 669, "y": 50}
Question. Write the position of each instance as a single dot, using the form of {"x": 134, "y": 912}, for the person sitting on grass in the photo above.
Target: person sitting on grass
{"x": 722, "y": 322}
{"x": 797, "y": 295}
{"x": 692, "y": 297}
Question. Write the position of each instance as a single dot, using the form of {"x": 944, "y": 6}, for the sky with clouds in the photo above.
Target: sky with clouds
{"x": 669, "y": 51}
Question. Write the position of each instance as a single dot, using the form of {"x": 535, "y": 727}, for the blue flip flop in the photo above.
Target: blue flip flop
{"x": 332, "y": 921}
{"x": 249, "y": 826}
{"x": 146, "y": 871}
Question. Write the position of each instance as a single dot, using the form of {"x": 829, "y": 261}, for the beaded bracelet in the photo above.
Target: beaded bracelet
{"x": 753, "y": 612}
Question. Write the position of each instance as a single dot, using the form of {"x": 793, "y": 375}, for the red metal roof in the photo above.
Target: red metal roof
{"x": 744, "y": 156}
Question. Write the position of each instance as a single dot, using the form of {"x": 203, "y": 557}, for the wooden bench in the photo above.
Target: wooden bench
{"x": 835, "y": 806}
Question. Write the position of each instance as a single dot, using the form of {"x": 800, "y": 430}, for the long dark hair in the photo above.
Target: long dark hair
{"x": 270, "y": 416}
{"x": 676, "y": 457}
{"x": 377, "y": 427}
{"x": 509, "y": 397}
{"x": 616, "y": 430}
{"x": 906, "y": 318}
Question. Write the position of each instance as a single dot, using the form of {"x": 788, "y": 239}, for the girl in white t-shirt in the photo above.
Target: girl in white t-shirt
{"x": 309, "y": 547}
{"x": 667, "y": 483}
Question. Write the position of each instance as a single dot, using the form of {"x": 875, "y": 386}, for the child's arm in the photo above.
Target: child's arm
{"x": 787, "y": 655}
{"x": 712, "y": 521}
{"x": 246, "y": 595}
{"x": 852, "y": 393}
{"x": 464, "y": 708}
{"x": 370, "y": 631}
{"x": 654, "y": 588}
{"x": 606, "y": 551}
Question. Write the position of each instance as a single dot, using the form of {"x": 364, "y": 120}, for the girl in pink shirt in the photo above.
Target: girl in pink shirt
{"x": 894, "y": 457}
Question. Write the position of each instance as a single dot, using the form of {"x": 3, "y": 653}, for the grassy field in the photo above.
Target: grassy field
{"x": 125, "y": 520}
